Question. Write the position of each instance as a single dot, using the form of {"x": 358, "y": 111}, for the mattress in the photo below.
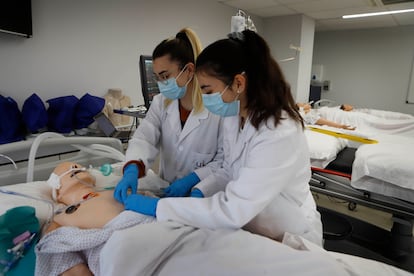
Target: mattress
{"x": 386, "y": 168}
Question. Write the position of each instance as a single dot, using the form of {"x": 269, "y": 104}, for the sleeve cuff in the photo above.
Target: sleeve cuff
{"x": 139, "y": 164}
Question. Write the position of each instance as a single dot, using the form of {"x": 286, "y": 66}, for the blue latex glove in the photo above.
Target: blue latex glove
{"x": 196, "y": 193}
{"x": 129, "y": 181}
{"x": 182, "y": 186}
{"x": 142, "y": 204}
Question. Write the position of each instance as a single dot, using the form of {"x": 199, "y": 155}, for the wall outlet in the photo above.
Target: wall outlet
{"x": 326, "y": 85}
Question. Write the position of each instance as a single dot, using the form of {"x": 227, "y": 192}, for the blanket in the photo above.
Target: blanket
{"x": 66, "y": 247}
{"x": 170, "y": 248}
{"x": 371, "y": 123}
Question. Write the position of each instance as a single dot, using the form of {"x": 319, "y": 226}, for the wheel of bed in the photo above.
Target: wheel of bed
{"x": 335, "y": 226}
{"x": 352, "y": 206}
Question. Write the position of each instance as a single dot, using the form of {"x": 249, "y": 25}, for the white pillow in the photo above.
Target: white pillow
{"x": 323, "y": 148}
{"x": 38, "y": 194}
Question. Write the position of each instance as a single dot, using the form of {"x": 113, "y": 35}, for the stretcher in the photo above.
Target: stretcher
{"x": 378, "y": 176}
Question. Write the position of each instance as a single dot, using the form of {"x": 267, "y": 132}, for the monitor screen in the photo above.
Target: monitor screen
{"x": 16, "y": 17}
{"x": 148, "y": 84}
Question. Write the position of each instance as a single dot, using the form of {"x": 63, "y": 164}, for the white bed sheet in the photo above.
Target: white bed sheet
{"x": 386, "y": 168}
{"x": 169, "y": 248}
{"x": 370, "y": 122}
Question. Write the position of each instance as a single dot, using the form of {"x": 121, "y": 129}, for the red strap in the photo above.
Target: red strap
{"x": 140, "y": 165}
{"x": 315, "y": 169}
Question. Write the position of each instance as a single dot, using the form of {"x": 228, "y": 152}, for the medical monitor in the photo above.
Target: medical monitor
{"x": 16, "y": 17}
{"x": 148, "y": 83}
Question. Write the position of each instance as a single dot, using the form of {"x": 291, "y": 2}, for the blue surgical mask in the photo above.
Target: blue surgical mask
{"x": 214, "y": 103}
{"x": 170, "y": 89}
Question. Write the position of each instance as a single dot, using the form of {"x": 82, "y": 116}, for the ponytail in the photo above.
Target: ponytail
{"x": 193, "y": 40}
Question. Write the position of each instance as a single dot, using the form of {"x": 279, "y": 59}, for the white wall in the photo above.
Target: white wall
{"x": 81, "y": 46}
{"x": 297, "y": 30}
{"x": 305, "y": 59}
{"x": 367, "y": 68}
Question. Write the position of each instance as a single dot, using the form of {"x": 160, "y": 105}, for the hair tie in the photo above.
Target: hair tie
{"x": 237, "y": 36}
{"x": 181, "y": 35}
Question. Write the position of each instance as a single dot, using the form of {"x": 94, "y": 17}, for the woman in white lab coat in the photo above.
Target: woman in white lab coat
{"x": 186, "y": 136}
{"x": 266, "y": 165}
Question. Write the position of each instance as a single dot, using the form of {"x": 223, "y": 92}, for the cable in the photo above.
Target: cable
{"x": 11, "y": 160}
{"x": 49, "y": 202}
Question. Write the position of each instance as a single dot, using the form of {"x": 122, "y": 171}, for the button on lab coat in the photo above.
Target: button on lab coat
{"x": 267, "y": 172}
{"x": 196, "y": 147}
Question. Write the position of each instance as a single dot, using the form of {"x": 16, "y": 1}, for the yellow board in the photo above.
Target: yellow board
{"x": 344, "y": 135}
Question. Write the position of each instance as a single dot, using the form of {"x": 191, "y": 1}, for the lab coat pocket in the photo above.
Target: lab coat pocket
{"x": 201, "y": 159}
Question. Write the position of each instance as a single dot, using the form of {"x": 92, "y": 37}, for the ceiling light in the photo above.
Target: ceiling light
{"x": 375, "y": 13}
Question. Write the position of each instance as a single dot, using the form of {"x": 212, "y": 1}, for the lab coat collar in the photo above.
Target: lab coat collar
{"x": 172, "y": 116}
{"x": 239, "y": 138}
{"x": 193, "y": 120}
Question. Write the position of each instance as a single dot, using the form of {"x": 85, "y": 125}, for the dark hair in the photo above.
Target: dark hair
{"x": 268, "y": 93}
{"x": 178, "y": 48}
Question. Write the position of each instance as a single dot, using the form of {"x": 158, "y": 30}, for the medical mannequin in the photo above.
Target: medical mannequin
{"x": 75, "y": 251}
{"x": 312, "y": 117}
{"x": 73, "y": 191}
{"x": 185, "y": 135}
{"x": 114, "y": 99}
{"x": 85, "y": 207}
{"x": 266, "y": 170}
{"x": 370, "y": 121}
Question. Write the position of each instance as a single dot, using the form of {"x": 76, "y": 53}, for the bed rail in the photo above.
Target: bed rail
{"x": 51, "y": 149}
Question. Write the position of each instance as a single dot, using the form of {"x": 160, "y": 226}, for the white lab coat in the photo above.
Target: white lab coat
{"x": 268, "y": 173}
{"x": 196, "y": 147}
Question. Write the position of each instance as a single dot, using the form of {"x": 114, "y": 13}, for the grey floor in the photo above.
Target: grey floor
{"x": 370, "y": 233}
{"x": 378, "y": 218}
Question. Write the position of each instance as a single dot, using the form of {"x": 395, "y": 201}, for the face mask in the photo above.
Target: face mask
{"x": 214, "y": 103}
{"x": 170, "y": 89}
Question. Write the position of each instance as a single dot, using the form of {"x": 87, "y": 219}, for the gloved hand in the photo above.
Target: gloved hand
{"x": 129, "y": 181}
{"x": 141, "y": 204}
{"x": 196, "y": 193}
{"x": 182, "y": 186}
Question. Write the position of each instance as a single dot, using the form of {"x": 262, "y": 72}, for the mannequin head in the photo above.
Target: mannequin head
{"x": 69, "y": 180}
{"x": 304, "y": 106}
{"x": 347, "y": 107}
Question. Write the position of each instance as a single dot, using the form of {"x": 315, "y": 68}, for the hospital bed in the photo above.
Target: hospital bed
{"x": 378, "y": 176}
{"x": 35, "y": 158}
{"x": 173, "y": 249}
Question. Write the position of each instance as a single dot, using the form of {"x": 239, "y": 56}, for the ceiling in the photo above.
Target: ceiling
{"x": 327, "y": 13}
